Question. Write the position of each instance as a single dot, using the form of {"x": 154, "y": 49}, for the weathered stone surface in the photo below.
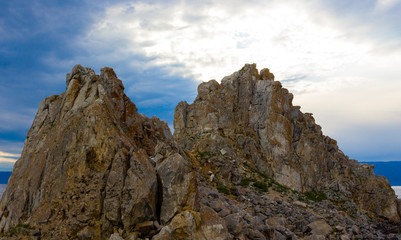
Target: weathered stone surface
{"x": 202, "y": 225}
{"x": 182, "y": 226}
{"x": 178, "y": 185}
{"x": 320, "y": 227}
{"x": 115, "y": 236}
{"x": 245, "y": 164}
{"x": 315, "y": 237}
{"x": 86, "y": 166}
{"x": 252, "y": 118}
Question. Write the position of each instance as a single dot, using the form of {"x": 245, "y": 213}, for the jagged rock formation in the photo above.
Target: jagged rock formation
{"x": 87, "y": 167}
{"x": 243, "y": 164}
{"x": 250, "y": 118}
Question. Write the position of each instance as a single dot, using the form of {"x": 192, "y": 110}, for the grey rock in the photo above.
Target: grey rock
{"x": 320, "y": 227}
{"x": 115, "y": 236}
{"x": 178, "y": 186}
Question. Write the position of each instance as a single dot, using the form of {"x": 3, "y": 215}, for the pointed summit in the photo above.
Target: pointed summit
{"x": 244, "y": 163}
{"x": 251, "y": 117}
{"x": 88, "y": 166}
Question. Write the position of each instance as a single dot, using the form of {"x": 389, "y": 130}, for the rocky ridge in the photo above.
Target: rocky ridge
{"x": 250, "y": 118}
{"x": 89, "y": 169}
{"x": 244, "y": 163}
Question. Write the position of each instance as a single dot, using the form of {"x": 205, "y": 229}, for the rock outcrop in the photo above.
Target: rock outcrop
{"x": 93, "y": 166}
{"x": 249, "y": 119}
{"x": 244, "y": 163}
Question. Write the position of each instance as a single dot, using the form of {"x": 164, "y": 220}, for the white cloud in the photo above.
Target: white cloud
{"x": 6, "y": 154}
{"x": 10, "y": 160}
{"x": 211, "y": 41}
{"x": 397, "y": 190}
{"x": 384, "y": 5}
{"x": 8, "y": 157}
{"x": 10, "y": 148}
{"x": 338, "y": 69}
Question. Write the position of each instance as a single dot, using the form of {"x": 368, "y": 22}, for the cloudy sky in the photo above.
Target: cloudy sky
{"x": 341, "y": 59}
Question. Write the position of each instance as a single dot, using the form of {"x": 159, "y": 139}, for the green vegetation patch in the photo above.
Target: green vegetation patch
{"x": 205, "y": 155}
{"x": 246, "y": 181}
{"x": 259, "y": 173}
{"x": 261, "y": 186}
{"x": 316, "y": 196}
{"x": 280, "y": 188}
{"x": 223, "y": 189}
{"x": 18, "y": 229}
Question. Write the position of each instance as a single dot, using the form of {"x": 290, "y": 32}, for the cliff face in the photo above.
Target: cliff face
{"x": 251, "y": 118}
{"x": 88, "y": 165}
{"x": 243, "y": 164}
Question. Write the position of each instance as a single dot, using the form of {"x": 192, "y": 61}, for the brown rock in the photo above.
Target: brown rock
{"x": 86, "y": 166}
{"x": 94, "y": 168}
{"x": 182, "y": 226}
{"x": 178, "y": 186}
{"x": 252, "y": 118}
{"x": 320, "y": 227}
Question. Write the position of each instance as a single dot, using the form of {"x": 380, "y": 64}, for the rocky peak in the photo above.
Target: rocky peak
{"x": 93, "y": 165}
{"x": 244, "y": 163}
{"x": 250, "y": 118}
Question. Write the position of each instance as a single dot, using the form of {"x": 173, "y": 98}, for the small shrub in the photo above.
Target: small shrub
{"x": 262, "y": 175}
{"x": 261, "y": 186}
{"x": 245, "y": 181}
{"x": 316, "y": 196}
{"x": 18, "y": 229}
{"x": 205, "y": 155}
{"x": 247, "y": 165}
{"x": 223, "y": 189}
{"x": 20, "y": 225}
{"x": 280, "y": 188}
{"x": 303, "y": 198}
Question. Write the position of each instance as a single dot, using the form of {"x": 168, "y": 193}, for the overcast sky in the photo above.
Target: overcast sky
{"x": 341, "y": 59}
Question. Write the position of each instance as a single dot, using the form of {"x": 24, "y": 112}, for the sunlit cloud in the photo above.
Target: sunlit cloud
{"x": 9, "y": 160}
{"x": 11, "y": 147}
{"x": 338, "y": 69}
{"x": 9, "y": 154}
{"x": 211, "y": 41}
{"x": 340, "y": 58}
{"x": 8, "y": 157}
{"x": 5, "y": 154}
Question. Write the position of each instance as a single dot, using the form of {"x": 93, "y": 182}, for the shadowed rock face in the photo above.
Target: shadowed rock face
{"x": 243, "y": 164}
{"x": 88, "y": 164}
{"x": 250, "y": 118}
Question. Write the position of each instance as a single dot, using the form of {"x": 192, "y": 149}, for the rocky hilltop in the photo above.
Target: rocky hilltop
{"x": 244, "y": 163}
